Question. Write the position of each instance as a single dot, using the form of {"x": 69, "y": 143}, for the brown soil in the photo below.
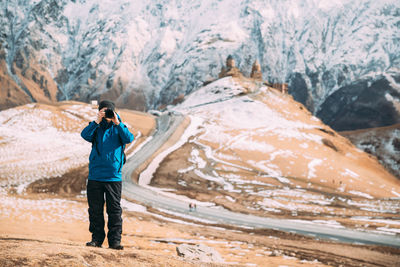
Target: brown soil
{"x": 41, "y": 252}
{"x": 151, "y": 241}
{"x": 70, "y": 184}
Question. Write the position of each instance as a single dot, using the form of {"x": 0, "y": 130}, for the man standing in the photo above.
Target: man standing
{"x": 108, "y": 136}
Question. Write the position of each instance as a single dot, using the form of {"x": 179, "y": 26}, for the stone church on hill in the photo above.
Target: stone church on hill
{"x": 231, "y": 70}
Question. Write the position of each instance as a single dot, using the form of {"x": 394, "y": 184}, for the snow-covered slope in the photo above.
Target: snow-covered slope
{"x": 147, "y": 53}
{"x": 43, "y": 141}
{"x": 38, "y": 143}
{"x": 275, "y": 136}
{"x": 258, "y": 151}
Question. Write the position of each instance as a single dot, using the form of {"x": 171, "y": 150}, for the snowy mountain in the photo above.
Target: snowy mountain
{"x": 145, "y": 54}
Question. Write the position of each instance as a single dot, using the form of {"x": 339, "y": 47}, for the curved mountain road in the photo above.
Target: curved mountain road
{"x": 166, "y": 126}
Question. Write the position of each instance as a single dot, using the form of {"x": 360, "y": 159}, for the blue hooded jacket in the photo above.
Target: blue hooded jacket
{"x": 105, "y": 161}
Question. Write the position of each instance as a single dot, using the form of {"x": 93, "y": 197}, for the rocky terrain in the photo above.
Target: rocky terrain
{"x": 383, "y": 143}
{"x": 364, "y": 104}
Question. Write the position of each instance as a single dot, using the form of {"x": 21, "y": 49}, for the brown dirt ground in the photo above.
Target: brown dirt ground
{"x": 151, "y": 241}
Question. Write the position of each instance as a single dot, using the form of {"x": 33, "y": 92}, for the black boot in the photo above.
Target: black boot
{"x": 93, "y": 244}
{"x": 116, "y": 246}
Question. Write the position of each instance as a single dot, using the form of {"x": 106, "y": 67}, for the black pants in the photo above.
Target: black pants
{"x": 97, "y": 192}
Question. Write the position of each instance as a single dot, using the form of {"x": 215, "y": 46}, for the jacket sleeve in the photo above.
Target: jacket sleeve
{"x": 124, "y": 133}
{"x": 88, "y": 132}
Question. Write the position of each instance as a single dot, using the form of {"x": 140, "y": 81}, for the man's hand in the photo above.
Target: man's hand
{"x": 115, "y": 120}
{"x": 100, "y": 115}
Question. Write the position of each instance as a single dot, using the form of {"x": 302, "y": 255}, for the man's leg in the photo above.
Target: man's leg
{"x": 95, "y": 196}
{"x": 114, "y": 211}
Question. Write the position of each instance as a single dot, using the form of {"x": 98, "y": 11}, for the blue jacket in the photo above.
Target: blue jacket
{"x": 105, "y": 161}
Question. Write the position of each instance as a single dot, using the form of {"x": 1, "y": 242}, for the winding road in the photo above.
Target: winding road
{"x": 166, "y": 126}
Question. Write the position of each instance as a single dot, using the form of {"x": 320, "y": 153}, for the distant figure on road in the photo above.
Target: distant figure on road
{"x": 192, "y": 207}
{"x": 108, "y": 136}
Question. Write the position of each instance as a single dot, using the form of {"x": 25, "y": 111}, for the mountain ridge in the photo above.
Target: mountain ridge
{"x": 145, "y": 55}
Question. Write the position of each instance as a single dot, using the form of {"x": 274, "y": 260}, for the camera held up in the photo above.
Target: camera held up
{"x": 109, "y": 113}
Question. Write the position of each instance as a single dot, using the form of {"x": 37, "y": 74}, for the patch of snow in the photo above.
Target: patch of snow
{"x": 271, "y": 209}
{"x": 361, "y": 194}
{"x": 165, "y": 192}
{"x": 146, "y": 175}
{"x": 282, "y": 153}
{"x": 210, "y": 156}
{"x": 215, "y": 92}
{"x": 225, "y": 156}
{"x": 388, "y": 230}
{"x": 190, "y": 168}
{"x": 383, "y": 232}
{"x": 230, "y": 199}
{"x": 129, "y": 206}
{"x": 87, "y": 112}
{"x": 304, "y": 145}
{"x": 311, "y": 167}
{"x": 70, "y": 116}
{"x": 394, "y": 192}
{"x": 132, "y": 144}
{"x": 369, "y": 219}
{"x": 171, "y": 219}
{"x": 217, "y": 180}
{"x": 350, "y": 173}
{"x": 380, "y": 206}
{"x": 181, "y": 215}
{"x": 196, "y": 159}
{"x": 313, "y": 118}
{"x": 42, "y": 210}
{"x": 283, "y": 180}
{"x": 21, "y": 188}
{"x": 267, "y": 167}
{"x": 292, "y": 205}
{"x": 30, "y": 132}
{"x": 330, "y": 223}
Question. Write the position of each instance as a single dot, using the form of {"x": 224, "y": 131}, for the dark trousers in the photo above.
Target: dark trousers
{"x": 97, "y": 192}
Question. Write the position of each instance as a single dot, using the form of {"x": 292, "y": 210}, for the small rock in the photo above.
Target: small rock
{"x": 198, "y": 252}
{"x": 276, "y": 253}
